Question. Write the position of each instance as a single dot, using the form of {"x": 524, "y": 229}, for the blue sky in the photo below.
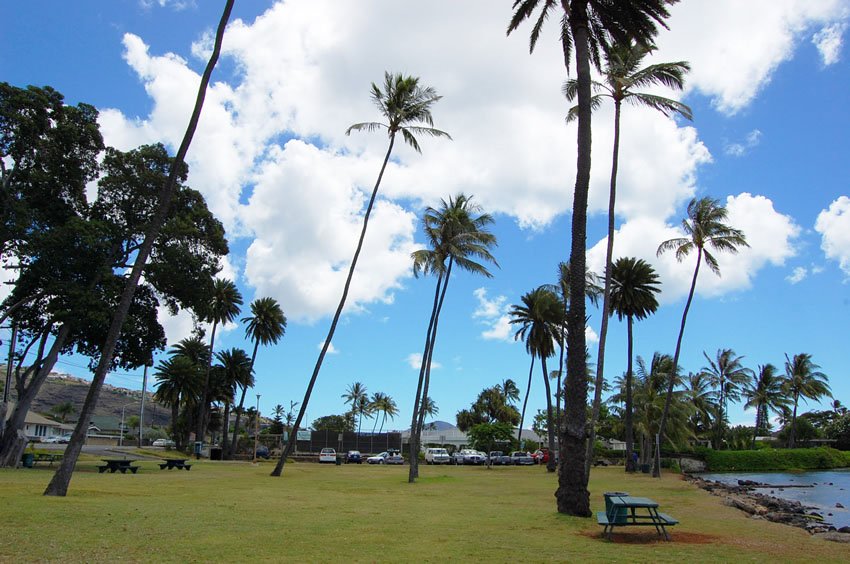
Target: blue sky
{"x": 768, "y": 91}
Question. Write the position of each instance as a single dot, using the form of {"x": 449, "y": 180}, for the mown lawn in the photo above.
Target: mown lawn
{"x": 234, "y": 511}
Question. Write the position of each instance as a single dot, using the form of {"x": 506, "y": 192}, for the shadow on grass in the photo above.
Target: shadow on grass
{"x": 653, "y": 538}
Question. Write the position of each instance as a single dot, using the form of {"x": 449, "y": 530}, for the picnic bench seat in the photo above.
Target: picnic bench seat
{"x": 602, "y": 519}
{"x": 46, "y": 457}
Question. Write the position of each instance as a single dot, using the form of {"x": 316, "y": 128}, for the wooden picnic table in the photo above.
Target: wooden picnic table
{"x": 175, "y": 463}
{"x": 117, "y": 465}
{"x": 46, "y": 457}
{"x": 630, "y": 511}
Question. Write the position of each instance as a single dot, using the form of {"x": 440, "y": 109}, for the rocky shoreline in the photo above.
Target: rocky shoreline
{"x": 769, "y": 508}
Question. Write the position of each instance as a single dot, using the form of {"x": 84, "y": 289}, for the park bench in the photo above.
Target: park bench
{"x": 46, "y": 457}
{"x": 624, "y": 510}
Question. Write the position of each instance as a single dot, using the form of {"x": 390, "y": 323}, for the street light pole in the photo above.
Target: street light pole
{"x": 256, "y": 428}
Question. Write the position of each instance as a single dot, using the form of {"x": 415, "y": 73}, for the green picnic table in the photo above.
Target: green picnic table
{"x": 623, "y": 510}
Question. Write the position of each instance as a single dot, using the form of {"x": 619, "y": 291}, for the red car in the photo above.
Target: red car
{"x": 541, "y": 456}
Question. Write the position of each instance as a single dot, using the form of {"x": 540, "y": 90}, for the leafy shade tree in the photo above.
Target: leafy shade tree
{"x": 540, "y": 320}
{"x": 266, "y": 326}
{"x": 457, "y": 235}
{"x": 765, "y": 394}
{"x": 706, "y": 231}
{"x": 335, "y": 423}
{"x": 491, "y": 406}
{"x": 584, "y": 25}
{"x": 62, "y": 478}
{"x": 728, "y": 376}
{"x": 803, "y": 379}
{"x": 223, "y": 308}
{"x": 484, "y": 436}
{"x": 357, "y": 396}
{"x": 407, "y": 108}
{"x": 634, "y": 285}
{"x": 623, "y": 76}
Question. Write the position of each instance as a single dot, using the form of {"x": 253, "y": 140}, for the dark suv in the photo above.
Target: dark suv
{"x": 353, "y": 457}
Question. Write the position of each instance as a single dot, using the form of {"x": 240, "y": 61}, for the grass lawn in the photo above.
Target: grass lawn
{"x": 235, "y": 511}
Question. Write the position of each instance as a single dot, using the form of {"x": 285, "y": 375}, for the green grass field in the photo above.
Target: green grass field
{"x": 234, "y": 511}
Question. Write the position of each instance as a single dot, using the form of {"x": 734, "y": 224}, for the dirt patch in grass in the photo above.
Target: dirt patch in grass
{"x": 652, "y": 537}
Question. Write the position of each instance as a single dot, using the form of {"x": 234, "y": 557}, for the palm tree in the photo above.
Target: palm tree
{"x": 383, "y": 403}
{"x": 765, "y": 394}
{"x": 803, "y": 379}
{"x": 63, "y": 410}
{"x": 705, "y": 230}
{"x": 585, "y": 25}
{"x": 623, "y": 74}
{"x": 356, "y": 395}
{"x": 634, "y": 284}
{"x": 266, "y": 326}
{"x": 223, "y": 308}
{"x": 237, "y": 372}
{"x": 509, "y": 389}
{"x": 407, "y": 109}
{"x": 60, "y": 481}
{"x": 727, "y": 375}
{"x": 540, "y": 319}
{"x": 701, "y": 397}
{"x": 457, "y": 235}
{"x": 178, "y": 383}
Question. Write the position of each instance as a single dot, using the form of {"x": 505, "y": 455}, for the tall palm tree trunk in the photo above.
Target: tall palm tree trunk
{"x": 550, "y": 420}
{"x": 225, "y": 426}
{"x": 630, "y": 432}
{"x": 656, "y": 466}
{"x": 792, "y": 436}
{"x": 525, "y": 403}
{"x": 421, "y": 421}
{"x": 278, "y": 469}
{"x": 606, "y": 295}
{"x": 58, "y": 485}
{"x": 572, "y": 495}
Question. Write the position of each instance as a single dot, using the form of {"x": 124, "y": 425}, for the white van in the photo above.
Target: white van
{"x": 437, "y": 456}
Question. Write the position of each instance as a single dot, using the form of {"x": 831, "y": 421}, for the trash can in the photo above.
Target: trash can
{"x": 215, "y": 453}
{"x": 27, "y": 459}
{"x": 339, "y": 460}
{"x": 645, "y": 468}
{"x": 615, "y": 514}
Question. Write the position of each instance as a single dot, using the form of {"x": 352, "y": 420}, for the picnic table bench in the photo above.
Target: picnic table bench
{"x": 46, "y": 457}
{"x": 175, "y": 463}
{"x": 117, "y": 465}
{"x": 623, "y": 510}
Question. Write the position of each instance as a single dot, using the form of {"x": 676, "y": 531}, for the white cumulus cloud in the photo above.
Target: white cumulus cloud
{"x": 833, "y": 224}
{"x": 829, "y": 41}
{"x": 414, "y": 360}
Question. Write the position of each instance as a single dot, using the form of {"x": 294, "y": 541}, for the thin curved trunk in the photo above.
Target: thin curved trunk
{"x": 792, "y": 436}
{"x": 203, "y": 408}
{"x": 225, "y": 426}
{"x": 757, "y": 426}
{"x": 62, "y": 478}
{"x": 630, "y": 441}
{"x": 572, "y": 495}
{"x": 278, "y": 469}
{"x": 8, "y": 457}
{"x": 235, "y": 440}
{"x": 421, "y": 420}
{"x": 606, "y": 295}
{"x": 525, "y": 403}
{"x": 550, "y": 431}
{"x": 656, "y": 466}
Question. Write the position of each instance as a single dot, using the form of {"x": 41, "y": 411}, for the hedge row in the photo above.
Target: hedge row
{"x": 822, "y": 458}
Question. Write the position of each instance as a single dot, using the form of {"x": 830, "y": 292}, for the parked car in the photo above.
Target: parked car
{"x": 354, "y": 457}
{"x": 541, "y": 456}
{"x": 167, "y": 443}
{"x": 437, "y": 456}
{"x": 498, "y": 458}
{"x": 57, "y": 439}
{"x": 520, "y": 458}
{"x": 456, "y": 458}
{"x": 379, "y": 458}
{"x": 394, "y": 458}
{"x": 327, "y": 455}
{"x": 472, "y": 457}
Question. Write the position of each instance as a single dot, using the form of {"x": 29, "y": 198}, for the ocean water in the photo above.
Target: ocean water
{"x": 828, "y": 488}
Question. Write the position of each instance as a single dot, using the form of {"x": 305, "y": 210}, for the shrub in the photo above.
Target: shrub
{"x": 775, "y": 459}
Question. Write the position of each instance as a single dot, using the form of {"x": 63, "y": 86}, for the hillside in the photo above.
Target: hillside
{"x": 60, "y": 388}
